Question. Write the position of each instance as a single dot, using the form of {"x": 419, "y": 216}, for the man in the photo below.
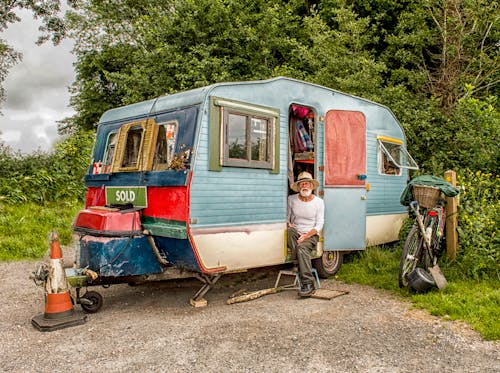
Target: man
{"x": 305, "y": 221}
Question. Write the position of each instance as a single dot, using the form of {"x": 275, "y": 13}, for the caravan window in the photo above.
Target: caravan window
{"x": 247, "y": 140}
{"x": 243, "y": 135}
{"x": 133, "y": 142}
{"x": 109, "y": 153}
{"x": 165, "y": 145}
{"x": 132, "y": 147}
{"x": 393, "y": 156}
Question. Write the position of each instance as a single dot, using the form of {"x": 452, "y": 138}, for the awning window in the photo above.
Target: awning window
{"x": 393, "y": 156}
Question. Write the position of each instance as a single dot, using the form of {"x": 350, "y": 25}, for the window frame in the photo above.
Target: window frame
{"x": 106, "y": 168}
{"x": 247, "y": 161}
{"x": 162, "y": 166}
{"x": 144, "y": 159}
{"x": 406, "y": 161}
{"x": 220, "y": 109}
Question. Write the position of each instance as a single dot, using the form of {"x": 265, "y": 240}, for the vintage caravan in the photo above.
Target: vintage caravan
{"x": 197, "y": 182}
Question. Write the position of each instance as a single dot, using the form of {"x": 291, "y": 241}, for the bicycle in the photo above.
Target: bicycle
{"x": 418, "y": 266}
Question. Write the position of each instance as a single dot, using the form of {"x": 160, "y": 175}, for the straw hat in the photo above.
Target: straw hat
{"x": 304, "y": 176}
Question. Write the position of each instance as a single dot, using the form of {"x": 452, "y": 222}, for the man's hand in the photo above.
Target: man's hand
{"x": 303, "y": 237}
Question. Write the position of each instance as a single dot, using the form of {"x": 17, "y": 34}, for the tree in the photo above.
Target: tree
{"x": 416, "y": 56}
{"x": 52, "y": 28}
{"x": 134, "y": 52}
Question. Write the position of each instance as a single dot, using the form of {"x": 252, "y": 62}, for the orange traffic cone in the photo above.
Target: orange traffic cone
{"x": 59, "y": 311}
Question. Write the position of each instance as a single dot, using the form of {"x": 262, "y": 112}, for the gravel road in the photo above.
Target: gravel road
{"x": 152, "y": 328}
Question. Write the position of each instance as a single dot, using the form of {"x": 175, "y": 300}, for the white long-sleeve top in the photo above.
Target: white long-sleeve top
{"x": 306, "y": 215}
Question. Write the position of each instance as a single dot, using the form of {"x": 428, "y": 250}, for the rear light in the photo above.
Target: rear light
{"x": 432, "y": 213}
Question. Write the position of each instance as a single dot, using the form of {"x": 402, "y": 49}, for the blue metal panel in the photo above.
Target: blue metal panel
{"x": 240, "y": 196}
{"x": 236, "y": 196}
{"x": 118, "y": 257}
{"x": 178, "y": 252}
{"x": 345, "y": 211}
{"x": 187, "y": 118}
{"x": 383, "y": 197}
{"x": 163, "y": 103}
{"x": 153, "y": 178}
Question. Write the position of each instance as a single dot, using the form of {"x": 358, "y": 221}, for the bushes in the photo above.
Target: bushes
{"x": 44, "y": 177}
{"x": 479, "y": 225}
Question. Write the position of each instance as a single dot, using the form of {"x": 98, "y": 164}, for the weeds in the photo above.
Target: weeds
{"x": 24, "y": 228}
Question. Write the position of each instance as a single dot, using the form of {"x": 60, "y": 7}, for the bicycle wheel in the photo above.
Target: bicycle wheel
{"x": 410, "y": 257}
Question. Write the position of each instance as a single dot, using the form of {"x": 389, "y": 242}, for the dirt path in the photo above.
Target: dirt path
{"x": 152, "y": 328}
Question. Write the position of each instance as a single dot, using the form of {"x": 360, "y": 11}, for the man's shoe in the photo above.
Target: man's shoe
{"x": 306, "y": 290}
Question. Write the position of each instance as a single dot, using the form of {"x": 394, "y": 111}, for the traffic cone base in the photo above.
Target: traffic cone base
{"x": 45, "y": 324}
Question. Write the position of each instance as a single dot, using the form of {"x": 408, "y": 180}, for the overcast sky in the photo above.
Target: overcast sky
{"x": 36, "y": 88}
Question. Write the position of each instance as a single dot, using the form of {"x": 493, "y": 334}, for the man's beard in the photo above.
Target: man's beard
{"x": 305, "y": 192}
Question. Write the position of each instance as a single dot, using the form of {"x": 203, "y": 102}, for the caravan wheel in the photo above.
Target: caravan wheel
{"x": 329, "y": 263}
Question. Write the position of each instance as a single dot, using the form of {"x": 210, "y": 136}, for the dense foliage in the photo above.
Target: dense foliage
{"x": 479, "y": 225}
{"x": 434, "y": 63}
{"x": 46, "y": 177}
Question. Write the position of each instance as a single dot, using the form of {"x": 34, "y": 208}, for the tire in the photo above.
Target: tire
{"x": 420, "y": 280}
{"x": 95, "y": 300}
{"x": 329, "y": 263}
{"x": 410, "y": 256}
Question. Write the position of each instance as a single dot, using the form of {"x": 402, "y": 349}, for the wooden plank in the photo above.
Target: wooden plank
{"x": 253, "y": 295}
{"x": 328, "y": 294}
{"x": 451, "y": 218}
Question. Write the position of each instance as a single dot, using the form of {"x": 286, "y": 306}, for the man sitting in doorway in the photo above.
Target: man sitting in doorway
{"x": 305, "y": 221}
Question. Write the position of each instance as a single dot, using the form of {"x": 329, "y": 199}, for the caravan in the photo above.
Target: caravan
{"x": 197, "y": 182}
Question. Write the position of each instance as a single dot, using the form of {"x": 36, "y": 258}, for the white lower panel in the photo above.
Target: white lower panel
{"x": 241, "y": 247}
{"x": 382, "y": 229}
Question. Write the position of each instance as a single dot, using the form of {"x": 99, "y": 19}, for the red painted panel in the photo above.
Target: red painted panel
{"x": 105, "y": 220}
{"x": 345, "y": 147}
{"x": 163, "y": 202}
{"x": 168, "y": 203}
{"x": 96, "y": 196}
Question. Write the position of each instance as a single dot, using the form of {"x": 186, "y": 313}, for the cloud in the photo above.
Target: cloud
{"x": 37, "y": 88}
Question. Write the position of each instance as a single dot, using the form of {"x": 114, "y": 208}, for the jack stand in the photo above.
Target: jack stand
{"x": 208, "y": 282}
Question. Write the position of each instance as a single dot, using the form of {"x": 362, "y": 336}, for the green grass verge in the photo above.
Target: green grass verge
{"x": 25, "y": 228}
{"x": 477, "y": 303}
{"x": 24, "y": 231}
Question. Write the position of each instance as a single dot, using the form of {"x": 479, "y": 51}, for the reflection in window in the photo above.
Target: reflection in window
{"x": 390, "y": 158}
{"x": 248, "y": 140}
{"x": 259, "y": 136}
{"x": 393, "y": 157}
{"x": 110, "y": 152}
{"x": 132, "y": 147}
{"x": 236, "y": 136}
{"x": 165, "y": 145}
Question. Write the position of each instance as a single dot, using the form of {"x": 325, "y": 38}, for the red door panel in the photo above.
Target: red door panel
{"x": 345, "y": 148}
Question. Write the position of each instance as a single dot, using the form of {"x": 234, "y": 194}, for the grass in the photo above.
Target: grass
{"x": 25, "y": 228}
{"x": 24, "y": 231}
{"x": 475, "y": 302}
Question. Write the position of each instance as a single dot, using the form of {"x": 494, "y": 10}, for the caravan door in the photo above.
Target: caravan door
{"x": 344, "y": 180}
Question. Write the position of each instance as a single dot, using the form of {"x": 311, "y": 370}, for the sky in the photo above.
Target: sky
{"x": 36, "y": 89}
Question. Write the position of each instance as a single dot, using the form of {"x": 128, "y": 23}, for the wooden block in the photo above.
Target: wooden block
{"x": 198, "y": 303}
{"x": 328, "y": 294}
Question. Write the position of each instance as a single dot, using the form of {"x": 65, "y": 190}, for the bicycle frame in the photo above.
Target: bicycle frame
{"x": 422, "y": 247}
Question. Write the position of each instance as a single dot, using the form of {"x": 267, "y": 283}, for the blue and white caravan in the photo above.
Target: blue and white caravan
{"x": 204, "y": 177}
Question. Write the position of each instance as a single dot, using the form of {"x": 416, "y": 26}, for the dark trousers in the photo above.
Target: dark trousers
{"x": 302, "y": 254}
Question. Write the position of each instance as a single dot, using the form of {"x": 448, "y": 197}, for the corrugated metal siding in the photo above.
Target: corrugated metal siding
{"x": 385, "y": 189}
{"x": 236, "y": 196}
